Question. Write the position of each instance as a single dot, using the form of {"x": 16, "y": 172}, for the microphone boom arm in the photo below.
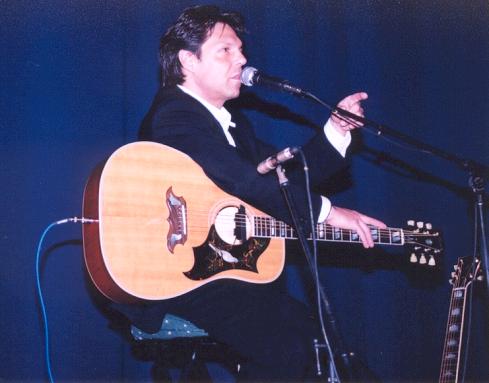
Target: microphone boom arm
{"x": 383, "y": 130}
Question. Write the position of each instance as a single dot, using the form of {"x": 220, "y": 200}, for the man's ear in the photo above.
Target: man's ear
{"x": 187, "y": 60}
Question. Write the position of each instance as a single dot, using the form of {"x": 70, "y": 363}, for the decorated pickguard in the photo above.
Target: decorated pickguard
{"x": 215, "y": 256}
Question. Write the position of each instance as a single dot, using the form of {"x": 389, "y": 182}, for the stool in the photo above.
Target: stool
{"x": 180, "y": 344}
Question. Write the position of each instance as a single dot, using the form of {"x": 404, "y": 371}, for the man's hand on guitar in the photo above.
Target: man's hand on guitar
{"x": 351, "y": 219}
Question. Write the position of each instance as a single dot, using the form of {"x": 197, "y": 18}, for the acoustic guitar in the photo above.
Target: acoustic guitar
{"x": 163, "y": 229}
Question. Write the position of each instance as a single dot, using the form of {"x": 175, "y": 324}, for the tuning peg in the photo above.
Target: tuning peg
{"x": 480, "y": 278}
{"x": 432, "y": 261}
{"x": 450, "y": 281}
{"x": 413, "y": 258}
{"x": 410, "y": 222}
{"x": 428, "y": 226}
{"x": 422, "y": 260}
{"x": 419, "y": 224}
{"x": 452, "y": 274}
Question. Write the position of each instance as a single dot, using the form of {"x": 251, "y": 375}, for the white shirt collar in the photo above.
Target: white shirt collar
{"x": 220, "y": 114}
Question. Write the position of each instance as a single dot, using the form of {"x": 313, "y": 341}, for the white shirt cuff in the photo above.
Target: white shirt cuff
{"x": 339, "y": 142}
{"x": 325, "y": 209}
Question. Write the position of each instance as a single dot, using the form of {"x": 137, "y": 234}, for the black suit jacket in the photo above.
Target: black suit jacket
{"x": 178, "y": 120}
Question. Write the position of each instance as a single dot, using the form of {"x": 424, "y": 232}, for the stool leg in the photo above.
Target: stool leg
{"x": 195, "y": 370}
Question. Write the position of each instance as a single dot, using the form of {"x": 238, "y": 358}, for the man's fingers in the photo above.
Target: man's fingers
{"x": 352, "y": 99}
{"x": 365, "y": 235}
{"x": 360, "y": 223}
{"x": 372, "y": 221}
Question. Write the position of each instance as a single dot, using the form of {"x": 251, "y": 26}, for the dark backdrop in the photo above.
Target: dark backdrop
{"x": 77, "y": 77}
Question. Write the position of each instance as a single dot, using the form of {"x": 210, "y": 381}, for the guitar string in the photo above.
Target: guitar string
{"x": 327, "y": 228}
{"x": 327, "y": 232}
{"x": 266, "y": 223}
{"x": 243, "y": 218}
{"x": 269, "y": 223}
{"x": 227, "y": 218}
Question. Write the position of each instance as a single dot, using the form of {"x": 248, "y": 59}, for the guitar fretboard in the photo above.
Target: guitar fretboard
{"x": 451, "y": 350}
{"x": 267, "y": 227}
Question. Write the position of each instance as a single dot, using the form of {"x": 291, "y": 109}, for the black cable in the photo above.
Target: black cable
{"x": 469, "y": 297}
{"x": 314, "y": 270}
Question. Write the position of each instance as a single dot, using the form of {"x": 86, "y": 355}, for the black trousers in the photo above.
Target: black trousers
{"x": 270, "y": 329}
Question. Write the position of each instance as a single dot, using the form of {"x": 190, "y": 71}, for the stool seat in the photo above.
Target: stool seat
{"x": 182, "y": 344}
{"x": 171, "y": 327}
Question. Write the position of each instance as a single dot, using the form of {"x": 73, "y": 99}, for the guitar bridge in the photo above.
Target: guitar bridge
{"x": 177, "y": 218}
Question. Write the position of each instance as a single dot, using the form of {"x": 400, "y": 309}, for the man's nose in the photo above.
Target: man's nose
{"x": 241, "y": 59}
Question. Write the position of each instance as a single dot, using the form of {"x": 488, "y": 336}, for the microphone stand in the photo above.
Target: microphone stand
{"x": 476, "y": 182}
{"x": 337, "y": 341}
{"x": 476, "y": 170}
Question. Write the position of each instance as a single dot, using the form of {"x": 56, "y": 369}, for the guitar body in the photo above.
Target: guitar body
{"x": 165, "y": 229}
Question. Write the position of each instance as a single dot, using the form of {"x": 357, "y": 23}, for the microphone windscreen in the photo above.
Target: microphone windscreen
{"x": 247, "y": 75}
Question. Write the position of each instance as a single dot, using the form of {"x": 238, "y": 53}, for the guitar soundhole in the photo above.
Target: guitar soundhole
{"x": 233, "y": 225}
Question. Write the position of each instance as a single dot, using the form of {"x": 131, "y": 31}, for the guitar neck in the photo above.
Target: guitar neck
{"x": 451, "y": 349}
{"x": 267, "y": 227}
{"x": 466, "y": 271}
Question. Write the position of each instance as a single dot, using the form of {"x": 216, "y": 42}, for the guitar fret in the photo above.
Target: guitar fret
{"x": 355, "y": 237}
{"x": 273, "y": 227}
{"x": 336, "y": 234}
{"x": 458, "y": 294}
{"x": 396, "y": 236}
{"x": 452, "y": 343}
{"x": 320, "y": 231}
{"x": 257, "y": 227}
{"x": 386, "y": 236}
{"x": 291, "y": 232}
{"x": 375, "y": 234}
{"x": 456, "y": 311}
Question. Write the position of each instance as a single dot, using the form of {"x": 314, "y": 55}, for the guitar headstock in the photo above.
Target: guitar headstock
{"x": 467, "y": 270}
{"x": 426, "y": 243}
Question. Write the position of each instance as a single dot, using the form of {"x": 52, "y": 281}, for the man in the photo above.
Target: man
{"x": 202, "y": 59}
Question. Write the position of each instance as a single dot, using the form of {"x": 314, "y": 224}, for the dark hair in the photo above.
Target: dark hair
{"x": 190, "y": 31}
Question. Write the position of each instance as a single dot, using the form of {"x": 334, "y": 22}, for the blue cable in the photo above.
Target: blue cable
{"x": 43, "y": 306}
{"x": 39, "y": 290}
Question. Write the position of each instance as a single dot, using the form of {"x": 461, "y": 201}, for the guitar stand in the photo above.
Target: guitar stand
{"x": 331, "y": 368}
{"x": 476, "y": 183}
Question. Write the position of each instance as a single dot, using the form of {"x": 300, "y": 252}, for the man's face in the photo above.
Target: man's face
{"x": 216, "y": 75}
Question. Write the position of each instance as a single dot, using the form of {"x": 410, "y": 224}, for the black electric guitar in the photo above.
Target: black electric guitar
{"x": 466, "y": 271}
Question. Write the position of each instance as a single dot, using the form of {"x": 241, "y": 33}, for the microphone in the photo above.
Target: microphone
{"x": 251, "y": 76}
{"x": 273, "y": 161}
